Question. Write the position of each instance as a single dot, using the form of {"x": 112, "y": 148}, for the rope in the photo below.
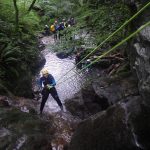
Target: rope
{"x": 121, "y": 27}
{"x": 114, "y": 47}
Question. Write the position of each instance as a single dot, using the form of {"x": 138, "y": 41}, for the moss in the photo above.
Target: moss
{"x": 19, "y": 124}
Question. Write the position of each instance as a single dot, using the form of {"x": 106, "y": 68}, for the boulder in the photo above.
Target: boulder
{"x": 114, "y": 89}
{"x": 62, "y": 55}
{"x": 139, "y": 51}
{"x": 85, "y": 103}
{"x": 3, "y": 101}
{"x": 107, "y": 130}
{"x": 20, "y": 130}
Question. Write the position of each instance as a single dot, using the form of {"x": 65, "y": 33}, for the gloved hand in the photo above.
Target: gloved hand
{"x": 49, "y": 86}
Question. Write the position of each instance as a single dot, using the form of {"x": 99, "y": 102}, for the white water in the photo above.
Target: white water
{"x": 66, "y": 89}
{"x": 58, "y": 68}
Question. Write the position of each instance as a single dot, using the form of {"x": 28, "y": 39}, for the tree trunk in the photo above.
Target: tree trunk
{"x": 31, "y": 6}
{"x": 16, "y": 15}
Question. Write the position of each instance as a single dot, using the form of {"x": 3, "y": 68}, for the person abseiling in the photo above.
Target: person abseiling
{"x": 48, "y": 82}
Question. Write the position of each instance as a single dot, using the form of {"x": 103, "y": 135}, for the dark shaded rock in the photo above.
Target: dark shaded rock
{"x": 41, "y": 45}
{"x": 3, "y": 101}
{"x": 62, "y": 55}
{"x": 86, "y": 103}
{"x": 24, "y": 86}
{"x": 39, "y": 63}
{"x": 123, "y": 126}
{"x": 115, "y": 89}
{"x": 140, "y": 122}
{"x": 24, "y": 131}
{"x": 102, "y": 93}
{"x": 104, "y": 63}
{"x": 92, "y": 101}
{"x": 76, "y": 106}
{"x": 139, "y": 50}
{"x": 107, "y": 130}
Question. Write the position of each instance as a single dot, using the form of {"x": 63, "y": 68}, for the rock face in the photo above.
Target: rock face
{"x": 107, "y": 130}
{"x": 126, "y": 124}
{"x": 100, "y": 94}
{"x": 86, "y": 103}
{"x": 139, "y": 53}
{"x": 115, "y": 89}
{"x": 22, "y": 130}
{"x": 114, "y": 128}
{"x": 142, "y": 63}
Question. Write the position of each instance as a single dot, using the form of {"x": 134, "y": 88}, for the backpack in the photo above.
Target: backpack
{"x": 52, "y": 28}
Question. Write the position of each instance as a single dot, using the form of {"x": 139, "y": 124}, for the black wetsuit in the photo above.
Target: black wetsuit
{"x": 46, "y": 91}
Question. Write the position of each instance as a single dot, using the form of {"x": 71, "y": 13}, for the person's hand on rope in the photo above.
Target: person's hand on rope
{"x": 49, "y": 86}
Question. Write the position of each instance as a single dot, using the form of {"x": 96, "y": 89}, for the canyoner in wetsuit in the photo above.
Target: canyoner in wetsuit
{"x": 48, "y": 81}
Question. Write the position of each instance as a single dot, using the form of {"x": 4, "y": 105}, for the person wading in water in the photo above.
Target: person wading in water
{"x": 47, "y": 82}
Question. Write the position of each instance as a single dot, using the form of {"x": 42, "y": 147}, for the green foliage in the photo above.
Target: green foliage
{"x": 55, "y": 9}
{"x": 107, "y": 19}
{"x": 99, "y": 17}
{"x": 18, "y": 50}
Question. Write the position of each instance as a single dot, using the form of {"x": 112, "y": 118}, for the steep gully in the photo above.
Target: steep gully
{"x": 63, "y": 121}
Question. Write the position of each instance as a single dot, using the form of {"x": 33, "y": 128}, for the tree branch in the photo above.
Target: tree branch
{"x": 16, "y": 15}
{"x": 31, "y": 6}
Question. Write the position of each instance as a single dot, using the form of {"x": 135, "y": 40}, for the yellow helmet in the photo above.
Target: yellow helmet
{"x": 44, "y": 71}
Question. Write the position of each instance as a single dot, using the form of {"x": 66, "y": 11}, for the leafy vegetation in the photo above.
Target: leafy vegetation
{"x": 18, "y": 45}
{"x": 21, "y": 20}
{"x": 97, "y": 17}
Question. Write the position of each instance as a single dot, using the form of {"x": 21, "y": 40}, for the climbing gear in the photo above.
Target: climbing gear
{"x": 44, "y": 71}
{"x": 110, "y": 50}
{"x": 121, "y": 27}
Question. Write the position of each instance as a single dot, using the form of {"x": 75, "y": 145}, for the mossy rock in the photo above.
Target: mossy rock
{"x": 16, "y": 125}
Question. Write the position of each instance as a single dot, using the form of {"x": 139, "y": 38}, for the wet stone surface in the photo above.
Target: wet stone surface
{"x": 66, "y": 86}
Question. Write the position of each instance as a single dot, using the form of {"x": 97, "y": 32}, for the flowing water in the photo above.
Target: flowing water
{"x": 66, "y": 89}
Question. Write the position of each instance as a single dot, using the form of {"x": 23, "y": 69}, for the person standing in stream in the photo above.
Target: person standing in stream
{"x": 47, "y": 84}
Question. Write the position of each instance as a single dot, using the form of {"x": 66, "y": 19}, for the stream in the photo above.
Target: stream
{"x": 66, "y": 88}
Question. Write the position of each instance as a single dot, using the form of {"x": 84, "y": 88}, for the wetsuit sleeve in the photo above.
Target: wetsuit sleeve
{"x": 53, "y": 83}
{"x": 40, "y": 82}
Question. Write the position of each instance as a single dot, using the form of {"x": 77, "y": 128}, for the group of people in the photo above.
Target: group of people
{"x": 58, "y": 26}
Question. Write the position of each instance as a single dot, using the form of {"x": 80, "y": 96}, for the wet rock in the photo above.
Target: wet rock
{"x": 21, "y": 130}
{"x": 4, "y": 101}
{"x": 76, "y": 106}
{"x": 139, "y": 120}
{"x": 100, "y": 94}
{"x": 141, "y": 126}
{"x": 4, "y": 132}
{"x": 115, "y": 89}
{"x": 62, "y": 55}
{"x": 103, "y": 63}
{"x": 86, "y": 103}
{"x": 107, "y": 130}
{"x": 143, "y": 72}
{"x": 39, "y": 63}
{"x": 139, "y": 51}
{"x": 92, "y": 101}
{"x": 41, "y": 45}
